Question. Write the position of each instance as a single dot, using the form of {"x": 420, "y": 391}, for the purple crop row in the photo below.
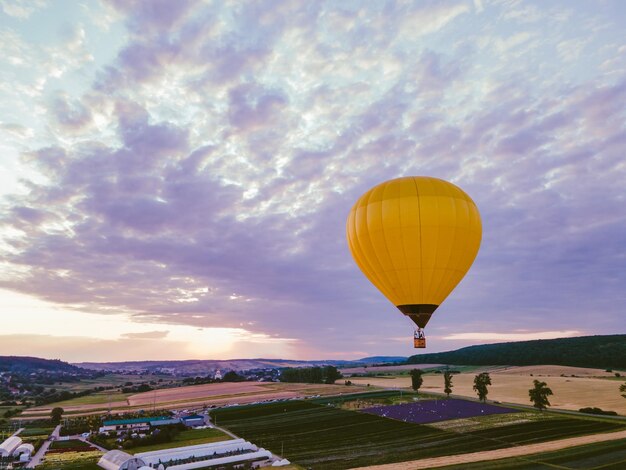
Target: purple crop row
{"x": 431, "y": 411}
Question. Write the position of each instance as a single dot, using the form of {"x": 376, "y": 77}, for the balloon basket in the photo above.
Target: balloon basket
{"x": 419, "y": 342}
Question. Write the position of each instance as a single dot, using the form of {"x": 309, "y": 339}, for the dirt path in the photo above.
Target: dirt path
{"x": 38, "y": 457}
{"x": 500, "y": 453}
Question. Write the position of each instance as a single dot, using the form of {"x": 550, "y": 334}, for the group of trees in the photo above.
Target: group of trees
{"x": 311, "y": 375}
{"x": 538, "y": 394}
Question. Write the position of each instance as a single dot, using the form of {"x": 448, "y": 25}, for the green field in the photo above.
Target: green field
{"x": 69, "y": 444}
{"x": 37, "y": 431}
{"x": 609, "y": 455}
{"x": 94, "y": 399}
{"x": 325, "y": 437}
{"x": 190, "y": 437}
{"x": 109, "y": 380}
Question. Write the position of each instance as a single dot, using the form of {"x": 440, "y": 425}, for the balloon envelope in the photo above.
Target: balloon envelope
{"x": 414, "y": 238}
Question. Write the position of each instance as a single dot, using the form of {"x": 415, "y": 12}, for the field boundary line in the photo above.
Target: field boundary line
{"x": 508, "y": 452}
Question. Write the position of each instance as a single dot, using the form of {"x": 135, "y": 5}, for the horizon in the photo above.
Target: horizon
{"x": 296, "y": 360}
{"x": 176, "y": 176}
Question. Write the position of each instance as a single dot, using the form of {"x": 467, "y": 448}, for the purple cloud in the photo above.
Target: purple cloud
{"x": 206, "y": 175}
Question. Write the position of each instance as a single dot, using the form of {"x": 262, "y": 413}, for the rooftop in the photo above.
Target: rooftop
{"x": 117, "y": 422}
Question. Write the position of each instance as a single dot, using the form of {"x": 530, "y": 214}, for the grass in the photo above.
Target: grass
{"x": 478, "y": 423}
{"x": 94, "y": 399}
{"x": 41, "y": 431}
{"x": 329, "y": 438}
{"x": 609, "y": 455}
{"x": 69, "y": 444}
{"x": 189, "y": 437}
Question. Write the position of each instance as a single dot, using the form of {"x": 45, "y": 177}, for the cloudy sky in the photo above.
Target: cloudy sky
{"x": 175, "y": 176}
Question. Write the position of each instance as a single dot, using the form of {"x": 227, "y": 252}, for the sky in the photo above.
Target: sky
{"x": 175, "y": 177}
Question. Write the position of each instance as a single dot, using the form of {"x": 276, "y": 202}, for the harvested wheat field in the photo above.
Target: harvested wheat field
{"x": 383, "y": 369}
{"x": 200, "y": 395}
{"x": 512, "y": 385}
{"x": 192, "y": 392}
{"x": 237, "y": 392}
{"x": 551, "y": 371}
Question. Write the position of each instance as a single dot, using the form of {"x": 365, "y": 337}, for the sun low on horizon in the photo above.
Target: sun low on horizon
{"x": 176, "y": 176}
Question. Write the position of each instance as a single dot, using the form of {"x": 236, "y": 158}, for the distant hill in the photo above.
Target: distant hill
{"x": 382, "y": 359}
{"x": 585, "y": 351}
{"x": 203, "y": 367}
{"x": 24, "y": 364}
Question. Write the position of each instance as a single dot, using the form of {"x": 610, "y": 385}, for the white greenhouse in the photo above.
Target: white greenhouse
{"x": 9, "y": 446}
{"x": 118, "y": 460}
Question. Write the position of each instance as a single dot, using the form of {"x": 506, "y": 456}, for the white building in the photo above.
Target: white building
{"x": 9, "y": 446}
{"x": 216, "y": 453}
{"x": 24, "y": 451}
{"x": 133, "y": 424}
{"x": 118, "y": 460}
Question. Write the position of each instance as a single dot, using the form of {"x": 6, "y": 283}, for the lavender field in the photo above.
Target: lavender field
{"x": 431, "y": 411}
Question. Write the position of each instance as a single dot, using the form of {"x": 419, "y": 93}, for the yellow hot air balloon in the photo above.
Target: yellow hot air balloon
{"x": 415, "y": 238}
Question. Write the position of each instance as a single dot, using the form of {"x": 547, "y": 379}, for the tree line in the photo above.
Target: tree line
{"x": 310, "y": 375}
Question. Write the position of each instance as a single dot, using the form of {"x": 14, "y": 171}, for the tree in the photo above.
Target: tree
{"x": 416, "y": 379}
{"x": 539, "y": 395}
{"x": 331, "y": 374}
{"x": 480, "y": 385}
{"x": 622, "y": 389}
{"x": 447, "y": 380}
{"x": 55, "y": 415}
{"x": 232, "y": 376}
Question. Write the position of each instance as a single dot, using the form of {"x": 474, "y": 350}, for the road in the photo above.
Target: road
{"x": 80, "y": 438}
{"x": 38, "y": 457}
{"x": 499, "y": 453}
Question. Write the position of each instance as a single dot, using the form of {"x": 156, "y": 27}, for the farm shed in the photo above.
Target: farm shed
{"x": 118, "y": 460}
{"x": 8, "y": 447}
{"x": 133, "y": 424}
{"x": 164, "y": 422}
{"x": 193, "y": 420}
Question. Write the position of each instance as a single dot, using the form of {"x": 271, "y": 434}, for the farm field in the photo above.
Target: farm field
{"x": 512, "y": 384}
{"x": 193, "y": 392}
{"x": 37, "y": 431}
{"x": 94, "y": 399}
{"x": 72, "y": 461}
{"x": 431, "y": 411}
{"x": 110, "y": 380}
{"x": 396, "y": 368}
{"x": 69, "y": 444}
{"x": 201, "y": 395}
{"x": 610, "y": 455}
{"x": 552, "y": 371}
{"x": 360, "y": 401}
{"x": 190, "y": 437}
{"x": 326, "y": 437}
